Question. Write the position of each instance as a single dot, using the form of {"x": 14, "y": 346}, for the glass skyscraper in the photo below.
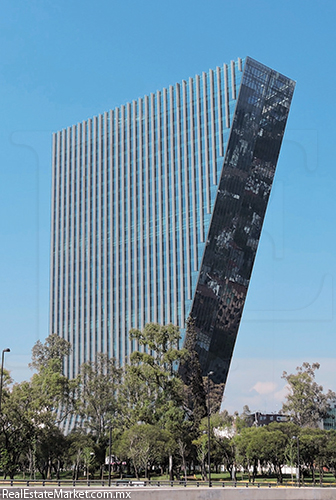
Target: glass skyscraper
{"x": 157, "y": 210}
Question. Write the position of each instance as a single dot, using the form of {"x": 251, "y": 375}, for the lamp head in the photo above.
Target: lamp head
{"x": 6, "y": 350}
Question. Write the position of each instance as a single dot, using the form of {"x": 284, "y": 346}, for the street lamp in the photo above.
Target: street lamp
{"x": 2, "y": 364}
{"x": 110, "y": 446}
{"x": 298, "y": 452}
{"x": 209, "y": 461}
{"x": 298, "y": 459}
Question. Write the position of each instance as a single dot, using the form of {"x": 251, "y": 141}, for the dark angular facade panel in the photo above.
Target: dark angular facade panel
{"x": 243, "y": 193}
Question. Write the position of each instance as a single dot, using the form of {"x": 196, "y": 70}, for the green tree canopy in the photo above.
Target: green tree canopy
{"x": 17, "y": 427}
{"x": 144, "y": 444}
{"x": 50, "y": 353}
{"x": 153, "y": 391}
{"x": 97, "y": 401}
{"x": 306, "y": 402}
{"x": 152, "y": 385}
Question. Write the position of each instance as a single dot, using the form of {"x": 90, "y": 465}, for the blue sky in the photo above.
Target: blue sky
{"x": 63, "y": 62}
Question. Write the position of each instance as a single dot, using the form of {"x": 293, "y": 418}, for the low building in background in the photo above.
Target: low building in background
{"x": 330, "y": 422}
{"x": 259, "y": 419}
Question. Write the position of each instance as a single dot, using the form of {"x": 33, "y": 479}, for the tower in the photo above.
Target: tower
{"x": 157, "y": 210}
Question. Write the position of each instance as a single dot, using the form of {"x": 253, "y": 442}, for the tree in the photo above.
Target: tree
{"x": 50, "y": 450}
{"x": 254, "y": 448}
{"x": 260, "y": 445}
{"x": 54, "y": 349}
{"x": 81, "y": 448}
{"x": 201, "y": 444}
{"x": 17, "y": 427}
{"x": 273, "y": 448}
{"x": 246, "y": 418}
{"x": 53, "y": 393}
{"x": 154, "y": 371}
{"x": 313, "y": 443}
{"x": 144, "y": 444}
{"x": 97, "y": 400}
{"x": 330, "y": 451}
{"x": 222, "y": 425}
{"x": 241, "y": 442}
{"x": 306, "y": 403}
{"x": 31, "y": 409}
{"x": 152, "y": 391}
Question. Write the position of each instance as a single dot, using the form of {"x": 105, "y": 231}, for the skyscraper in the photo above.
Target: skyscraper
{"x": 157, "y": 210}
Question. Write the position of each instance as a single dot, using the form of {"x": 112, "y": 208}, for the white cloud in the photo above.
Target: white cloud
{"x": 264, "y": 387}
{"x": 257, "y": 382}
{"x": 281, "y": 395}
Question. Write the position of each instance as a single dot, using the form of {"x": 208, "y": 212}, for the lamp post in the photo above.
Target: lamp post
{"x": 2, "y": 364}
{"x": 110, "y": 446}
{"x": 298, "y": 459}
{"x": 209, "y": 460}
{"x": 298, "y": 454}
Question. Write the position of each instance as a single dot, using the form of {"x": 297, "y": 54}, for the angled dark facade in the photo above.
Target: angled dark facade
{"x": 248, "y": 170}
{"x": 157, "y": 210}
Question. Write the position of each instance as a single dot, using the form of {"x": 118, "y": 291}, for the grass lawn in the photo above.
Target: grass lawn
{"x": 328, "y": 478}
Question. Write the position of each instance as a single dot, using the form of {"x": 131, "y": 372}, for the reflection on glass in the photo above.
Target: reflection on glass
{"x": 247, "y": 175}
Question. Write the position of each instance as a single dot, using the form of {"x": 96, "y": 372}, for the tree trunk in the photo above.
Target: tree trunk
{"x": 233, "y": 472}
{"x": 254, "y": 471}
{"x": 171, "y": 472}
{"x": 182, "y": 448}
{"x": 204, "y": 472}
{"x": 136, "y": 472}
{"x": 184, "y": 465}
{"x": 313, "y": 474}
{"x": 49, "y": 469}
{"x": 146, "y": 471}
{"x": 321, "y": 475}
{"x": 279, "y": 474}
{"x": 30, "y": 462}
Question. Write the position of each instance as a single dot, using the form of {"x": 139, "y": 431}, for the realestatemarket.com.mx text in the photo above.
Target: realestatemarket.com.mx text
{"x": 66, "y": 494}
